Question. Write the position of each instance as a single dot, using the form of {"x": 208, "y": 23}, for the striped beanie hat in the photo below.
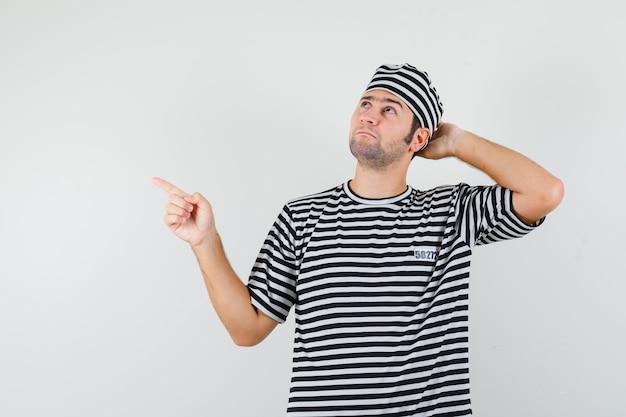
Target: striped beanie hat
{"x": 414, "y": 87}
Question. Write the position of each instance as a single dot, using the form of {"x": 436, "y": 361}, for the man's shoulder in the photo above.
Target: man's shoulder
{"x": 459, "y": 187}
{"x": 316, "y": 198}
{"x": 441, "y": 191}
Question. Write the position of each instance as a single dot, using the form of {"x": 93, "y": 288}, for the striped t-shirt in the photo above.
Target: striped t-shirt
{"x": 380, "y": 293}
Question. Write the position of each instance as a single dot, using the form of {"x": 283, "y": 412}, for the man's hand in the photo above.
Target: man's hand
{"x": 189, "y": 217}
{"x": 442, "y": 142}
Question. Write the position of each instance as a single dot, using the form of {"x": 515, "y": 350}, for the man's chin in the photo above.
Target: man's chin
{"x": 365, "y": 152}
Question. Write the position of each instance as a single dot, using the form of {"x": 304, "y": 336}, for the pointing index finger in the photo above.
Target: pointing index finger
{"x": 168, "y": 187}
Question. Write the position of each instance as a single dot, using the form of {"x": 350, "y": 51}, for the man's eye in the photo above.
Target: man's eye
{"x": 390, "y": 110}
{"x": 365, "y": 104}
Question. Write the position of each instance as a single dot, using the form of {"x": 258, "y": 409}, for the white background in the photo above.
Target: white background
{"x": 103, "y": 312}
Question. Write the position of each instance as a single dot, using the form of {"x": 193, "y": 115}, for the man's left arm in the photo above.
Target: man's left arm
{"x": 536, "y": 192}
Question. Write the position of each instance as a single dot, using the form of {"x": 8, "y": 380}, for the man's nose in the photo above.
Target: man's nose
{"x": 368, "y": 116}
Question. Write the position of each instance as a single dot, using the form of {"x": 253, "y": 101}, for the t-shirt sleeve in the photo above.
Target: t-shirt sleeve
{"x": 272, "y": 281}
{"x": 486, "y": 215}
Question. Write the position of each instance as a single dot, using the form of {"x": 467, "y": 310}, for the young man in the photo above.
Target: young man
{"x": 376, "y": 271}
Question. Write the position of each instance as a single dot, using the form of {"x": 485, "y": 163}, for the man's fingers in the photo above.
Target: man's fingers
{"x": 181, "y": 201}
{"x": 173, "y": 220}
{"x": 168, "y": 187}
{"x": 183, "y": 211}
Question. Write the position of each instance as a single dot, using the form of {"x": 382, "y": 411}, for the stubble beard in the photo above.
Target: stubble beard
{"x": 371, "y": 154}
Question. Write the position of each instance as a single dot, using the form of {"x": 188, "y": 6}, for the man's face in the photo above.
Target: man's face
{"x": 379, "y": 128}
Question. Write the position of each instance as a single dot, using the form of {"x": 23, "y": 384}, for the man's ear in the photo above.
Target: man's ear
{"x": 420, "y": 139}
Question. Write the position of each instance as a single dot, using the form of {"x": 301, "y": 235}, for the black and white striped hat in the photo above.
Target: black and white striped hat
{"x": 414, "y": 87}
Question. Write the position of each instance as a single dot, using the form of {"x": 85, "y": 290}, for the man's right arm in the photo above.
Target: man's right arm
{"x": 190, "y": 217}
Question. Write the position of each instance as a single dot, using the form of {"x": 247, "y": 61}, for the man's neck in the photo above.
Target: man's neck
{"x": 369, "y": 183}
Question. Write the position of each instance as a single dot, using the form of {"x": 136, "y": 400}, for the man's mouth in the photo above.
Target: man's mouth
{"x": 365, "y": 132}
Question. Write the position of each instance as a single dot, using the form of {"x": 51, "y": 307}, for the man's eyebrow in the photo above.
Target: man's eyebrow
{"x": 386, "y": 100}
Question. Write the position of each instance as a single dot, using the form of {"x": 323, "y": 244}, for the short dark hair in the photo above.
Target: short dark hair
{"x": 415, "y": 124}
